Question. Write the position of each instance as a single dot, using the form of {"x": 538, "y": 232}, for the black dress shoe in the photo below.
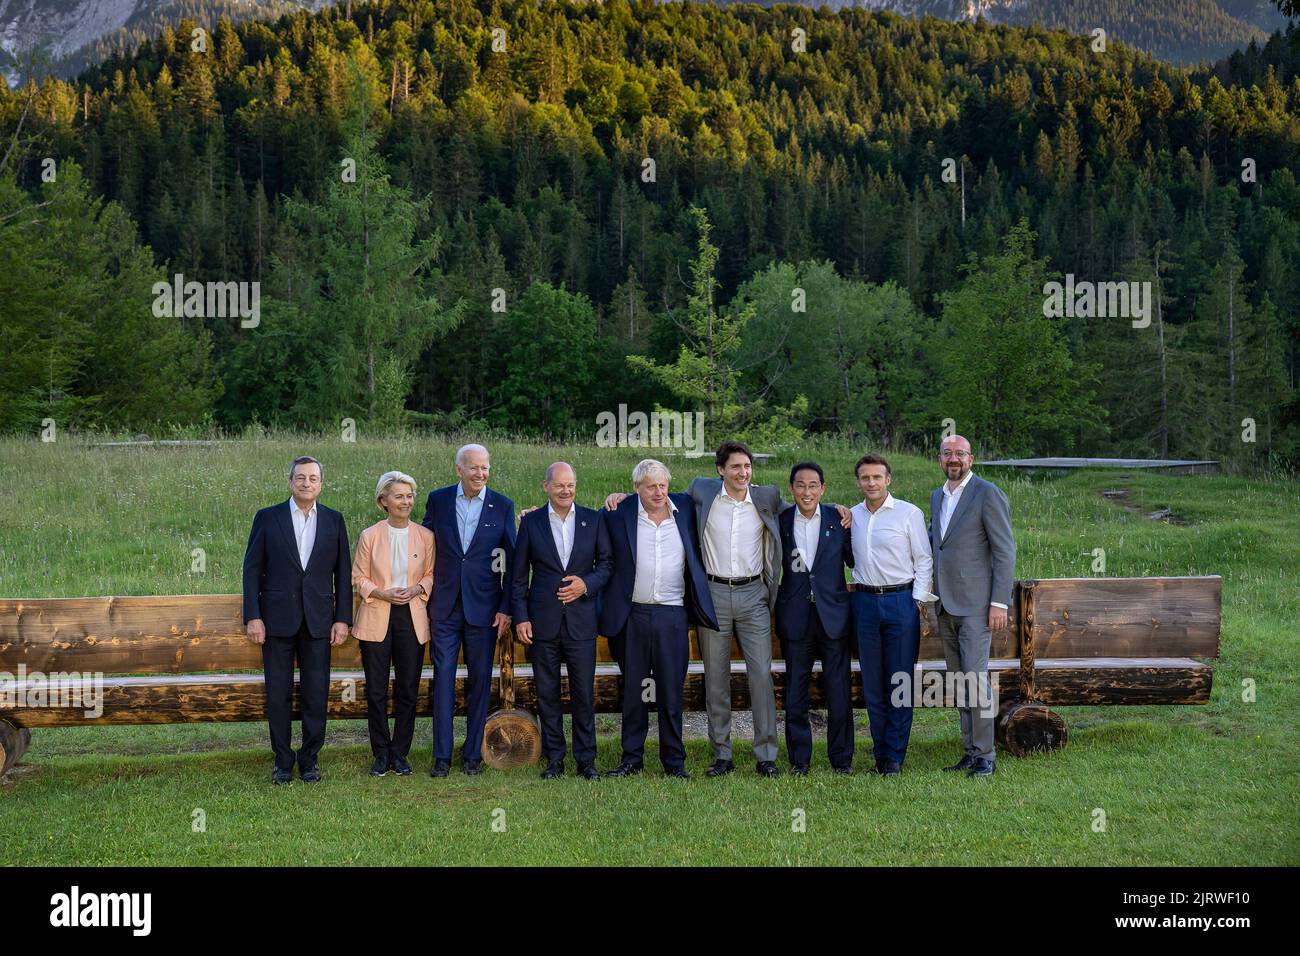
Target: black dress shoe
{"x": 473, "y": 768}
{"x": 766, "y": 768}
{"x": 890, "y": 768}
{"x": 799, "y": 769}
{"x": 380, "y": 766}
{"x": 624, "y": 770}
{"x": 963, "y": 764}
{"x": 681, "y": 773}
{"x": 281, "y": 777}
{"x": 588, "y": 771}
{"x": 310, "y": 775}
{"x": 720, "y": 768}
{"x": 554, "y": 770}
{"x": 400, "y": 766}
{"x": 982, "y": 767}
{"x": 440, "y": 768}
{"x": 844, "y": 771}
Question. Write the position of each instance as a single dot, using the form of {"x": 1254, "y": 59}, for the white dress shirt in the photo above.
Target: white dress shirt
{"x": 562, "y": 531}
{"x": 891, "y": 547}
{"x": 950, "y": 499}
{"x": 660, "y": 559}
{"x": 733, "y": 537}
{"x": 949, "y": 508}
{"x": 304, "y": 530}
{"x": 399, "y": 555}
{"x": 806, "y": 533}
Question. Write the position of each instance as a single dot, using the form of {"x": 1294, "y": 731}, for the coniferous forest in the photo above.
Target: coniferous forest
{"x": 517, "y": 215}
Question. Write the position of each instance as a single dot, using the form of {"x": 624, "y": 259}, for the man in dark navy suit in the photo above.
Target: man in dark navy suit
{"x": 657, "y": 590}
{"x": 566, "y": 547}
{"x": 474, "y": 537}
{"x": 298, "y": 603}
{"x": 813, "y": 615}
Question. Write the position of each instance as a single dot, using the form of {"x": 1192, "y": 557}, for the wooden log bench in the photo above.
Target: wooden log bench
{"x": 184, "y": 659}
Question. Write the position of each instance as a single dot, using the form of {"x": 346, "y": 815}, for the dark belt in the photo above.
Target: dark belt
{"x": 734, "y": 582}
{"x": 885, "y": 589}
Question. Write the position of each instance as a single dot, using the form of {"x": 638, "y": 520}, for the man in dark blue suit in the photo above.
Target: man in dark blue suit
{"x": 813, "y": 615}
{"x": 474, "y": 536}
{"x": 566, "y": 547}
{"x": 298, "y": 603}
{"x": 657, "y": 590}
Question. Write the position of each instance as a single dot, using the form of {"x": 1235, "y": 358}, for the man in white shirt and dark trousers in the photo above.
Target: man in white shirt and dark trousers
{"x": 891, "y": 575}
{"x": 656, "y": 590}
{"x": 975, "y": 564}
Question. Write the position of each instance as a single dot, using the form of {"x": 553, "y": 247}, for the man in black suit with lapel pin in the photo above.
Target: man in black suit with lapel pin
{"x": 566, "y": 549}
{"x": 813, "y": 615}
{"x": 657, "y": 590}
{"x": 298, "y": 604}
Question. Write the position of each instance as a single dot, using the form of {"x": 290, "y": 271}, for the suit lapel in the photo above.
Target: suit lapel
{"x": 710, "y": 496}
{"x": 451, "y": 524}
{"x": 683, "y": 534}
{"x": 582, "y": 528}
{"x": 381, "y": 555}
{"x": 284, "y": 518}
{"x": 549, "y": 536}
{"x": 629, "y": 522}
{"x": 963, "y": 506}
{"x": 829, "y": 520}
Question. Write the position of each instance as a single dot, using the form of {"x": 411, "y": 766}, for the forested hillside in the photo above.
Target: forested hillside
{"x": 562, "y": 166}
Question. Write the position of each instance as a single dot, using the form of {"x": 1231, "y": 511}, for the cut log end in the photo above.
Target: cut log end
{"x": 13, "y": 744}
{"x": 1023, "y": 727}
{"x": 511, "y": 739}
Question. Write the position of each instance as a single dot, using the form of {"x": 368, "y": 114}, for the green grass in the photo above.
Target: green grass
{"x": 1192, "y": 785}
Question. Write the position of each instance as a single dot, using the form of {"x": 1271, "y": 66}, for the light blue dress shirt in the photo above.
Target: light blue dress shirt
{"x": 468, "y": 511}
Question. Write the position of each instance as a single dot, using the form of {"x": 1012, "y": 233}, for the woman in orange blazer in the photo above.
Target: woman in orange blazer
{"x": 393, "y": 573}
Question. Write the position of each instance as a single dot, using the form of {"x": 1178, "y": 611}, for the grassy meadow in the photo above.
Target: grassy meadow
{"x": 1193, "y": 785}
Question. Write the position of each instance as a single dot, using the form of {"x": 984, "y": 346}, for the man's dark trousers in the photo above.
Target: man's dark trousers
{"x": 656, "y": 648}
{"x": 579, "y": 658}
{"x": 313, "y": 654}
{"x": 800, "y": 653}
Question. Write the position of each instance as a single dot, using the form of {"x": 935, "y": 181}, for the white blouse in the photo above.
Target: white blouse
{"x": 399, "y": 554}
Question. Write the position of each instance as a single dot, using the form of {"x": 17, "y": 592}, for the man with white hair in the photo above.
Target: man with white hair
{"x": 474, "y": 539}
{"x": 656, "y": 591}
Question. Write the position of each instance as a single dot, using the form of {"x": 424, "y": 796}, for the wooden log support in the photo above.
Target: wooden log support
{"x": 1025, "y": 726}
{"x": 1025, "y": 608}
{"x": 14, "y": 741}
{"x": 511, "y": 737}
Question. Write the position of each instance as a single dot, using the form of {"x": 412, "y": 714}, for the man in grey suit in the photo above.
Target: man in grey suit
{"x": 974, "y": 569}
{"x": 741, "y": 545}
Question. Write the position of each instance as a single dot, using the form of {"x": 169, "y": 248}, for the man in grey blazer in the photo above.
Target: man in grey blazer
{"x": 974, "y": 571}
{"x": 740, "y": 541}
